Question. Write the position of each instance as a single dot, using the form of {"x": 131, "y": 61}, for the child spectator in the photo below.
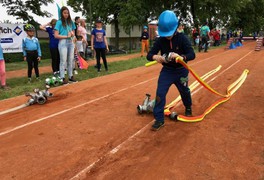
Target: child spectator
{"x": 31, "y": 51}
{"x": 77, "y": 51}
{"x": 79, "y": 45}
{"x": 53, "y": 45}
{"x": 83, "y": 32}
{"x": 100, "y": 44}
{"x": 144, "y": 40}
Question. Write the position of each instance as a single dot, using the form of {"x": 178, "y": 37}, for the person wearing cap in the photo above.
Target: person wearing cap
{"x": 144, "y": 41}
{"x": 99, "y": 44}
{"x": 53, "y": 45}
{"x": 31, "y": 51}
{"x": 170, "y": 41}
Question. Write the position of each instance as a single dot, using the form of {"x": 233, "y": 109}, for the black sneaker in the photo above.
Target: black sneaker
{"x": 64, "y": 81}
{"x": 72, "y": 79}
{"x": 157, "y": 125}
{"x": 188, "y": 112}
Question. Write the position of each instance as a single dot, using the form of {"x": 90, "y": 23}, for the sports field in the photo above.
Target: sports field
{"x": 91, "y": 129}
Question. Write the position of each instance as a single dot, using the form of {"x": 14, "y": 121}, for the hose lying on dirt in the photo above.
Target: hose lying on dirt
{"x": 194, "y": 85}
{"x": 231, "y": 89}
{"x": 13, "y": 109}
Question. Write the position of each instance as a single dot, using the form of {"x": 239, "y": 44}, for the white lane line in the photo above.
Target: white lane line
{"x": 75, "y": 107}
{"x": 82, "y": 173}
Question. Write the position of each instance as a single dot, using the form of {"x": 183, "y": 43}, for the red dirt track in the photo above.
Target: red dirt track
{"x": 91, "y": 129}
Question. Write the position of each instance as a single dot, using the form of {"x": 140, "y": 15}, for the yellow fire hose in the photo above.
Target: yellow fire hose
{"x": 194, "y": 85}
{"x": 231, "y": 89}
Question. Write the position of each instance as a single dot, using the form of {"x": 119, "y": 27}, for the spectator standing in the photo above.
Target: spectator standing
{"x": 144, "y": 41}
{"x": 53, "y": 45}
{"x": 83, "y": 32}
{"x": 100, "y": 44}
{"x": 216, "y": 35}
{"x": 64, "y": 31}
{"x": 180, "y": 28}
{"x": 31, "y": 51}
{"x": 77, "y": 20}
{"x": 205, "y": 36}
{"x": 194, "y": 35}
{"x": 2, "y": 69}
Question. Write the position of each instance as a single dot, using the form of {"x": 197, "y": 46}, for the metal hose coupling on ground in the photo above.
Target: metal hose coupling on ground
{"x": 39, "y": 96}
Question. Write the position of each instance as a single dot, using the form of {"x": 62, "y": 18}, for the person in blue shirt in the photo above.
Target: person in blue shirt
{"x": 53, "y": 45}
{"x": 176, "y": 44}
{"x": 31, "y": 51}
{"x": 100, "y": 44}
{"x": 64, "y": 31}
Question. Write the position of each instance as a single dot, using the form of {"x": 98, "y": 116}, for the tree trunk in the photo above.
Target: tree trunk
{"x": 116, "y": 31}
{"x": 195, "y": 23}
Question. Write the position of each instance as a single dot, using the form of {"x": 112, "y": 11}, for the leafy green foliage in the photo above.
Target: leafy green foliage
{"x": 22, "y": 8}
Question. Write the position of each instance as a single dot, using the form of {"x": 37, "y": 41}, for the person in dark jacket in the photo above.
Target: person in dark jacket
{"x": 176, "y": 44}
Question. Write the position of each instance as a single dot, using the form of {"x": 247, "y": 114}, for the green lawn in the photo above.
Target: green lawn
{"x": 19, "y": 86}
{"x": 23, "y": 65}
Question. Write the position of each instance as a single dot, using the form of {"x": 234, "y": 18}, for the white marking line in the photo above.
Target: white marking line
{"x": 69, "y": 109}
{"x": 82, "y": 173}
{"x": 86, "y": 170}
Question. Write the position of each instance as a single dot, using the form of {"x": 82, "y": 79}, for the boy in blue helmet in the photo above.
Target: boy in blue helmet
{"x": 177, "y": 44}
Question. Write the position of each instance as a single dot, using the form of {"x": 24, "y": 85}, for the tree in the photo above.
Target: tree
{"x": 21, "y": 9}
{"x": 108, "y": 11}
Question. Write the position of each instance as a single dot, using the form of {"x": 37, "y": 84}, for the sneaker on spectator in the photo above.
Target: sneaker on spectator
{"x": 29, "y": 80}
{"x": 5, "y": 87}
{"x": 72, "y": 79}
{"x": 75, "y": 71}
{"x": 64, "y": 81}
{"x": 157, "y": 125}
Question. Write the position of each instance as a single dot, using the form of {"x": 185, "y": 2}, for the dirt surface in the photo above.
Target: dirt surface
{"x": 91, "y": 129}
{"x": 48, "y": 69}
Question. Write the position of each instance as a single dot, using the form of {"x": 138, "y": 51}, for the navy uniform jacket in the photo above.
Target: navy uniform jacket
{"x": 178, "y": 44}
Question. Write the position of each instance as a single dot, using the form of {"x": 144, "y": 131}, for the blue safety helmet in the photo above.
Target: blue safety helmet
{"x": 168, "y": 23}
{"x": 145, "y": 27}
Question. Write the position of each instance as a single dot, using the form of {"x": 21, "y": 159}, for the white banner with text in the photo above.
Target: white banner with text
{"x": 11, "y": 37}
